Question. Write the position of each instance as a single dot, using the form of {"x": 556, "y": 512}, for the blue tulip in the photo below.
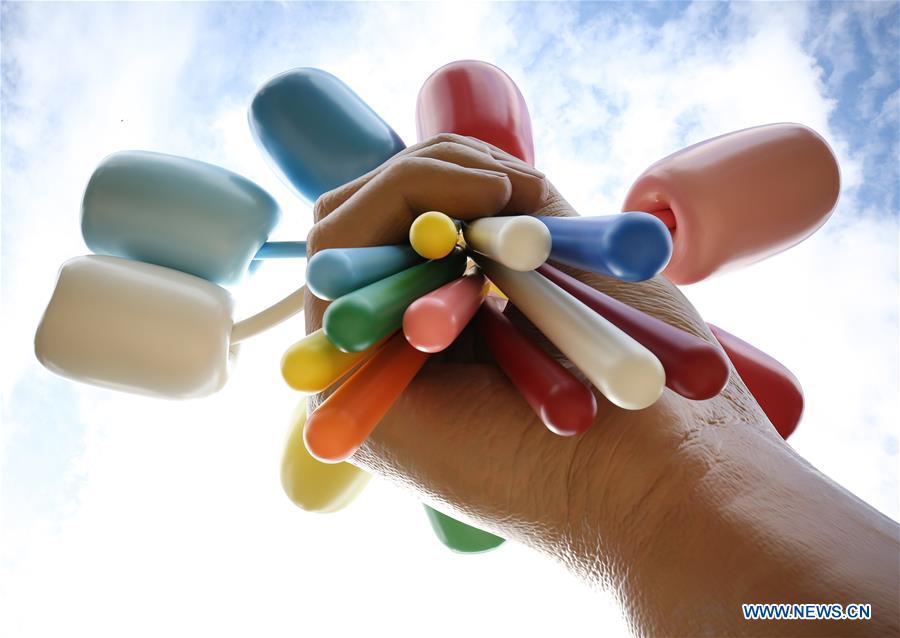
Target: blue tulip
{"x": 176, "y": 212}
{"x": 317, "y": 132}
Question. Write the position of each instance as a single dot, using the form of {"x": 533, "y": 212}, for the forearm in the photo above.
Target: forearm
{"x": 685, "y": 509}
{"x": 687, "y": 523}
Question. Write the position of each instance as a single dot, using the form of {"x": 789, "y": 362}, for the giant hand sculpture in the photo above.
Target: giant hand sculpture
{"x": 146, "y": 314}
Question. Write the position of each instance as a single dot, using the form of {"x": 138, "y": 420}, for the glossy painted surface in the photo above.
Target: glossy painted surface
{"x": 740, "y": 197}
{"x": 469, "y": 97}
{"x": 136, "y": 327}
{"x": 628, "y": 246}
{"x": 309, "y": 157}
{"x": 434, "y": 321}
{"x": 176, "y": 212}
{"x": 433, "y": 235}
{"x": 346, "y": 418}
{"x": 317, "y": 132}
{"x": 519, "y": 242}
{"x": 773, "y": 386}
{"x": 694, "y": 368}
{"x": 310, "y": 484}
{"x": 314, "y": 363}
{"x": 335, "y": 272}
{"x": 627, "y": 374}
{"x": 562, "y": 402}
{"x": 359, "y": 320}
{"x": 282, "y": 250}
{"x": 475, "y": 98}
{"x": 459, "y": 536}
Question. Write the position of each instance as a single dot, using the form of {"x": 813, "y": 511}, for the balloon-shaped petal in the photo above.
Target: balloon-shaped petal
{"x": 310, "y": 484}
{"x": 176, "y": 212}
{"x": 317, "y": 132}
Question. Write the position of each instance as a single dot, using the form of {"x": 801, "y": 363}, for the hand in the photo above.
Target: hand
{"x": 614, "y": 503}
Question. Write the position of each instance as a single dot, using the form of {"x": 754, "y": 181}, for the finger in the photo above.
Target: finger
{"x": 528, "y": 182}
{"x": 329, "y": 201}
{"x": 498, "y": 153}
{"x": 382, "y": 211}
{"x": 441, "y": 138}
{"x": 528, "y": 185}
{"x": 508, "y": 160}
{"x": 475, "y": 144}
{"x": 519, "y": 166}
{"x": 450, "y": 441}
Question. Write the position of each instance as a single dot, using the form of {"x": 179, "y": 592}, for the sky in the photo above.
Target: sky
{"x": 121, "y": 513}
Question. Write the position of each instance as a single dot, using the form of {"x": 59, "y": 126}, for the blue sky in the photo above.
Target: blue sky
{"x": 106, "y": 498}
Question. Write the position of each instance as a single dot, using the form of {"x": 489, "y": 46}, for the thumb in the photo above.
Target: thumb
{"x": 460, "y": 435}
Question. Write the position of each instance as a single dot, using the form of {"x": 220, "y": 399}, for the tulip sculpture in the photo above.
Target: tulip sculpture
{"x": 147, "y": 313}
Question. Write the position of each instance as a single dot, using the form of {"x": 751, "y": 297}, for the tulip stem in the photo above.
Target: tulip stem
{"x": 282, "y": 250}
{"x": 270, "y": 317}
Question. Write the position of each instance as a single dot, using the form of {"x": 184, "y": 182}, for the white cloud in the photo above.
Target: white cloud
{"x": 172, "y": 518}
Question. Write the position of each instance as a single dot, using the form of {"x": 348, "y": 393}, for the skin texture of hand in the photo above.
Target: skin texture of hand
{"x": 685, "y": 509}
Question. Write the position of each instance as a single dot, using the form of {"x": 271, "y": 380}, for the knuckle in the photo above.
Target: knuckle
{"x": 449, "y": 150}
{"x": 464, "y": 141}
{"x": 481, "y": 144}
{"x": 399, "y": 168}
{"x": 443, "y": 138}
{"x": 315, "y": 241}
{"x": 323, "y": 206}
{"x": 442, "y": 148}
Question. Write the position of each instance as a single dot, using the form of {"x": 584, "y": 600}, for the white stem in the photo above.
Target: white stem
{"x": 521, "y": 242}
{"x": 270, "y": 317}
{"x": 626, "y": 372}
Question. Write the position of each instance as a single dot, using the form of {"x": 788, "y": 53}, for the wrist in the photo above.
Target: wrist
{"x": 704, "y": 507}
{"x": 644, "y": 494}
